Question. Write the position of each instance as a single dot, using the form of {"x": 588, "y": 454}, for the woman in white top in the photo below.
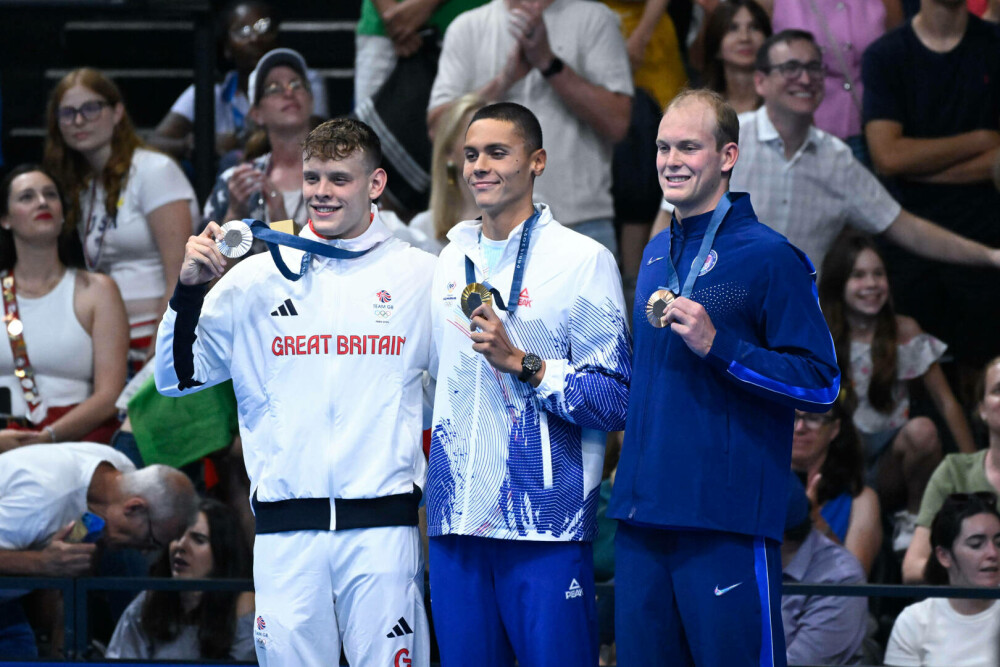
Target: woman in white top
{"x": 63, "y": 362}
{"x": 955, "y": 632}
{"x": 133, "y": 207}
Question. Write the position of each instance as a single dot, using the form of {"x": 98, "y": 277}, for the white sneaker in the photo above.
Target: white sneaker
{"x": 903, "y": 525}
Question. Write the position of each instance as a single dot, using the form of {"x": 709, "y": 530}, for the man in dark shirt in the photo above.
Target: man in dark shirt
{"x": 932, "y": 115}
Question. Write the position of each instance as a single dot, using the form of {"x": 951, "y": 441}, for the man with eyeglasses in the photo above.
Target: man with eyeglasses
{"x": 805, "y": 183}
{"x": 44, "y": 492}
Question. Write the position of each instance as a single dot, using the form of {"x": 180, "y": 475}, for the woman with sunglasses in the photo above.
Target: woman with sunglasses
{"x": 269, "y": 187}
{"x": 955, "y": 632}
{"x": 63, "y": 364}
{"x": 966, "y": 473}
{"x": 827, "y": 454}
{"x": 133, "y": 207}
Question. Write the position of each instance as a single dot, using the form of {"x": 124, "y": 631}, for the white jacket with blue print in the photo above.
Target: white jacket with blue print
{"x": 510, "y": 461}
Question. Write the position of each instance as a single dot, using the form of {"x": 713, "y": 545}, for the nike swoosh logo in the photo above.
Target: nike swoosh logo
{"x": 653, "y": 259}
{"x": 723, "y": 591}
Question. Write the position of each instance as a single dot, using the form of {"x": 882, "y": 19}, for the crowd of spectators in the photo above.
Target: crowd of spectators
{"x": 869, "y": 138}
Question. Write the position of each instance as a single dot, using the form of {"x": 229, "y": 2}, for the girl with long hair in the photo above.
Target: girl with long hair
{"x": 879, "y": 353}
{"x": 63, "y": 364}
{"x": 133, "y": 207}
{"x": 193, "y": 625}
{"x": 733, "y": 33}
{"x": 451, "y": 199}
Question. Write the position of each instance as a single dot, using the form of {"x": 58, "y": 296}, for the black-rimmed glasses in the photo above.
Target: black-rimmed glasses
{"x": 89, "y": 110}
{"x": 793, "y": 69}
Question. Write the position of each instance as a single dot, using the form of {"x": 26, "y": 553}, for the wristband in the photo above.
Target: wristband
{"x": 51, "y": 431}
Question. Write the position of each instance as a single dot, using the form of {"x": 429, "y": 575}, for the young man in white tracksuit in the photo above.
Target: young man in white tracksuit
{"x": 327, "y": 371}
{"x": 526, "y": 389}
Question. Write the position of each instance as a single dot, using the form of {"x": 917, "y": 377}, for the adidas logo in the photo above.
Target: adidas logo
{"x": 285, "y": 309}
{"x": 401, "y": 628}
{"x": 574, "y": 590}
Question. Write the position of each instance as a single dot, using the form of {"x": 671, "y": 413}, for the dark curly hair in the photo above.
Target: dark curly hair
{"x": 340, "y": 138}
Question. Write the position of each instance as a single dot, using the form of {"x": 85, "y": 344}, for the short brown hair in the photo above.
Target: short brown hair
{"x": 340, "y": 138}
{"x": 727, "y": 125}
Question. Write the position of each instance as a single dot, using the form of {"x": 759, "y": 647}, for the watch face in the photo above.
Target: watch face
{"x": 531, "y": 363}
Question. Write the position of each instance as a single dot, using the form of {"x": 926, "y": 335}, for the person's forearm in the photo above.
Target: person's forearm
{"x": 20, "y": 563}
{"x": 897, "y": 155}
{"x": 926, "y": 239}
{"x": 978, "y": 169}
{"x": 177, "y": 148}
{"x": 85, "y": 417}
{"x": 606, "y": 112}
{"x": 651, "y": 14}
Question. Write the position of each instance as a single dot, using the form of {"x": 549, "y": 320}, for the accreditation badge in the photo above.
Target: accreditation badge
{"x": 656, "y": 306}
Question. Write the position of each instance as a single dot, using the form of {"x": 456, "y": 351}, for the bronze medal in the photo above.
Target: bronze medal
{"x": 657, "y": 305}
{"x": 473, "y": 296}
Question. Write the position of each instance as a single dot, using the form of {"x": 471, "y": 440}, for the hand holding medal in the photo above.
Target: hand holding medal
{"x": 202, "y": 259}
{"x": 689, "y": 320}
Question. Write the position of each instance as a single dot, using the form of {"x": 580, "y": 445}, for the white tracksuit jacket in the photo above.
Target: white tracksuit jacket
{"x": 509, "y": 461}
{"x": 327, "y": 370}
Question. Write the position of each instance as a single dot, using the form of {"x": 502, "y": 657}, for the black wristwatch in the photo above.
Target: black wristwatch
{"x": 554, "y": 67}
{"x": 530, "y": 364}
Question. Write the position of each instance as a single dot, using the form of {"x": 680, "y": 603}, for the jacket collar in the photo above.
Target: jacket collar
{"x": 376, "y": 233}
{"x": 465, "y": 235}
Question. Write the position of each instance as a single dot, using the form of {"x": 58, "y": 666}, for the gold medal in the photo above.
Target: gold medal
{"x": 657, "y": 305}
{"x": 473, "y": 296}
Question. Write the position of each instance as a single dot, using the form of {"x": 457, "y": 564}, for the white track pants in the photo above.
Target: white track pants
{"x": 364, "y": 587}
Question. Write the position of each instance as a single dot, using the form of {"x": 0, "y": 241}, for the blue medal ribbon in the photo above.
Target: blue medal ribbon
{"x": 522, "y": 258}
{"x": 673, "y": 282}
{"x": 274, "y": 238}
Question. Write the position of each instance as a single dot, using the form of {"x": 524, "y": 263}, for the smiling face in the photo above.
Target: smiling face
{"x": 974, "y": 558}
{"x": 799, "y": 95}
{"x": 689, "y": 165}
{"x": 867, "y": 288}
{"x": 34, "y": 210}
{"x": 741, "y": 41}
{"x": 191, "y": 555}
{"x": 498, "y": 167}
{"x": 285, "y": 100}
{"x": 339, "y": 194}
{"x": 85, "y": 135}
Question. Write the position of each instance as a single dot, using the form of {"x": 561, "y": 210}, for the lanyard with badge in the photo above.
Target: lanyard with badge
{"x": 476, "y": 294}
{"x": 665, "y": 294}
{"x": 238, "y": 236}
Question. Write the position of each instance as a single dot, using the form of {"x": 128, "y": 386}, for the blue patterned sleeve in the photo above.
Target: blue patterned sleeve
{"x": 590, "y": 386}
